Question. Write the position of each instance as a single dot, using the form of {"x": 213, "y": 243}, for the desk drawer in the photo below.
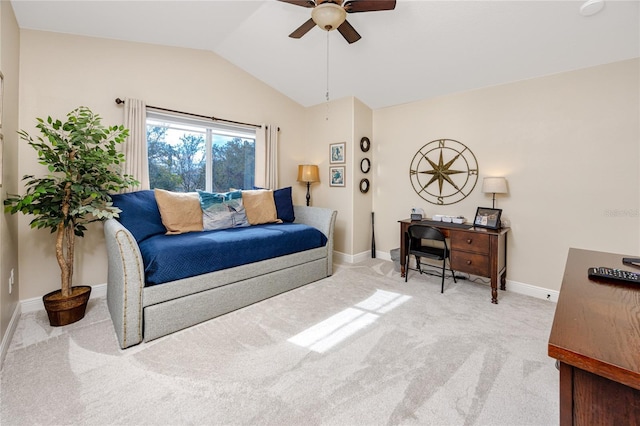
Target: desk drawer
{"x": 471, "y": 263}
{"x": 469, "y": 241}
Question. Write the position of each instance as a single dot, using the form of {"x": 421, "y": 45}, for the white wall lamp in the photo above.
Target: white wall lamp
{"x": 494, "y": 185}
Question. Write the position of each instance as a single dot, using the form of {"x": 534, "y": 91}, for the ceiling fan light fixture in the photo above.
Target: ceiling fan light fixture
{"x": 328, "y": 16}
{"x": 591, "y": 7}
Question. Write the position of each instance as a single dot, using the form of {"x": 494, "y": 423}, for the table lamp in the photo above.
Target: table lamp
{"x": 494, "y": 185}
{"x": 308, "y": 173}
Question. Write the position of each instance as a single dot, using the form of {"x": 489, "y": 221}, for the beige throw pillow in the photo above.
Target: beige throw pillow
{"x": 260, "y": 206}
{"x": 180, "y": 211}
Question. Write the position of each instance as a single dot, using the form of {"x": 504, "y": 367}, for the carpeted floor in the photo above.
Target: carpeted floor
{"x": 359, "y": 348}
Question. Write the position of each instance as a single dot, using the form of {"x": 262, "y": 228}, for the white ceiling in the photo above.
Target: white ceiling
{"x": 420, "y": 50}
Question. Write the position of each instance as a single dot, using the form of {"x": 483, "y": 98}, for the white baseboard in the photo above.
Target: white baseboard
{"x": 6, "y": 339}
{"x": 532, "y": 290}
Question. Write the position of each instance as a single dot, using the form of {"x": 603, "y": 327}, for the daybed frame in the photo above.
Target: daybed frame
{"x": 146, "y": 313}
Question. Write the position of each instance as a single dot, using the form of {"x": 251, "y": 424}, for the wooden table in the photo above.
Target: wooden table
{"x": 596, "y": 339}
{"x": 476, "y": 251}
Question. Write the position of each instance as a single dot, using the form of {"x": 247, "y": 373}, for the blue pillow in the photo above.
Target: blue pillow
{"x": 284, "y": 204}
{"x": 140, "y": 214}
{"x": 222, "y": 210}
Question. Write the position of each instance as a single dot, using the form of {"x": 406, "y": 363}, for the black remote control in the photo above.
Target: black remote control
{"x": 611, "y": 274}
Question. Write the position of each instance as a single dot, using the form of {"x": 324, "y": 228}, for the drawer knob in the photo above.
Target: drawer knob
{"x": 468, "y": 262}
{"x": 469, "y": 241}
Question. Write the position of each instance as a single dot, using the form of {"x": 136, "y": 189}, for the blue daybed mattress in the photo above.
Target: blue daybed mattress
{"x": 174, "y": 257}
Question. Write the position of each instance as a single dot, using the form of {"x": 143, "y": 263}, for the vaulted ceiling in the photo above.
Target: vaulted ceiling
{"x": 422, "y": 49}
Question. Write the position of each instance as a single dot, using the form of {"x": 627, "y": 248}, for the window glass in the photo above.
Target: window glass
{"x": 186, "y": 155}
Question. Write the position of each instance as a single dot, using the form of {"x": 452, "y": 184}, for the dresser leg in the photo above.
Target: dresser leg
{"x": 494, "y": 292}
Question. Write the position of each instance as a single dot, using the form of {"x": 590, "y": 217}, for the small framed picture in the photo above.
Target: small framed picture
{"x": 336, "y": 175}
{"x": 336, "y": 154}
{"x": 487, "y": 218}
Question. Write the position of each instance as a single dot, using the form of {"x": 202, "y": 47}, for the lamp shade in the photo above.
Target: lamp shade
{"x": 494, "y": 185}
{"x": 328, "y": 16}
{"x": 308, "y": 173}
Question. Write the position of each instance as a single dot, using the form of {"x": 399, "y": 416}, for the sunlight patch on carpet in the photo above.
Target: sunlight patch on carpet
{"x": 328, "y": 333}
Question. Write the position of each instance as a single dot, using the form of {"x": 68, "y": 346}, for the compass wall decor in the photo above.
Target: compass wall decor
{"x": 444, "y": 171}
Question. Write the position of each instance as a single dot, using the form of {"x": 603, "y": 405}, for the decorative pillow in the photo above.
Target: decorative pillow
{"x": 222, "y": 210}
{"x": 260, "y": 206}
{"x": 140, "y": 214}
{"x": 284, "y": 203}
{"x": 180, "y": 211}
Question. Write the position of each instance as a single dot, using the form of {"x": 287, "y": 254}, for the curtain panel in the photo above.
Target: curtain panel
{"x": 135, "y": 147}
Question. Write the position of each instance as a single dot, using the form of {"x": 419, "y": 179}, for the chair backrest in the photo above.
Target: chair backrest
{"x": 424, "y": 232}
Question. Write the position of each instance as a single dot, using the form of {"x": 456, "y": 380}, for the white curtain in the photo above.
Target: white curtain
{"x": 271, "y": 151}
{"x": 135, "y": 147}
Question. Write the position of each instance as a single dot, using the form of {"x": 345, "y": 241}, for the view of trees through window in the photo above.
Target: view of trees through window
{"x": 187, "y": 158}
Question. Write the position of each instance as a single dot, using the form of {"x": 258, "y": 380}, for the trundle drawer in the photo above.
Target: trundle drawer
{"x": 471, "y": 263}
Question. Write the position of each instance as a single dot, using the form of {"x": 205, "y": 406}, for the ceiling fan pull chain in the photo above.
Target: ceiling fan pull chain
{"x": 327, "y": 66}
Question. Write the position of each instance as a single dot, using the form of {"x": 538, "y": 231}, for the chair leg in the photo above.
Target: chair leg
{"x": 418, "y": 264}
{"x": 443, "y": 271}
{"x": 406, "y": 266}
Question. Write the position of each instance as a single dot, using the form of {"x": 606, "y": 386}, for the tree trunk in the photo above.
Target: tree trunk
{"x": 64, "y": 245}
{"x": 65, "y": 276}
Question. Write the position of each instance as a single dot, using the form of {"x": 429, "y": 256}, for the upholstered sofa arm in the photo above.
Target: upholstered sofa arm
{"x": 125, "y": 282}
{"x": 322, "y": 219}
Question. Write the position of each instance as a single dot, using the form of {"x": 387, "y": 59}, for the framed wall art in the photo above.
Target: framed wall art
{"x": 336, "y": 154}
{"x": 336, "y": 176}
{"x": 487, "y": 218}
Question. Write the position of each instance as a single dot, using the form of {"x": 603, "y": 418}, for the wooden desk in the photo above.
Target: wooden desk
{"x": 596, "y": 339}
{"x": 476, "y": 251}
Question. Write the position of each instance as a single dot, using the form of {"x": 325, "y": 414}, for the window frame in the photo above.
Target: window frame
{"x": 213, "y": 128}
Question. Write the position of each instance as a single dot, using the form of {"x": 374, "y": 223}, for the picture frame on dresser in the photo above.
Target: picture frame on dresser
{"x": 488, "y": 218}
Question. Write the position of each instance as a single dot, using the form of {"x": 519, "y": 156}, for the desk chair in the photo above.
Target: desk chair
{"x": 414, "y": 238}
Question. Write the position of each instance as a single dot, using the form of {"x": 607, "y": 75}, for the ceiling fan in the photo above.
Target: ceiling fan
{"x": 332, "y": 14}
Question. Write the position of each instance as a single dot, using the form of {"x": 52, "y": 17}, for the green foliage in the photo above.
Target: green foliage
{"x": 181, "y": 167}
{"x": 84, "y": 167}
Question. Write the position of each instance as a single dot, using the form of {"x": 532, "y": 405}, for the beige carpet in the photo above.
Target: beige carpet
{"x": 359, "y": 348}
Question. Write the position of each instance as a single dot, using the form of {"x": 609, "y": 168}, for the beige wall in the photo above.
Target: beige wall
{"x": 568, "y": 145}
{"x": 61, "y": 72}
{"x": 329, "y": 123}
{"x": 9, "y": 64}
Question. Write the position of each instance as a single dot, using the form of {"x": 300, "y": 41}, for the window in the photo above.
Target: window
{"x": 188, "y": 154}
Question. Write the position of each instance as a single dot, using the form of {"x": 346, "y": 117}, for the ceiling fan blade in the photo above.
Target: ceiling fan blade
{"x": 303, "y": 29}
{"x": 348, "y": 32}
{"x": 355, "y": 6}
{"x": 303, "y": 3}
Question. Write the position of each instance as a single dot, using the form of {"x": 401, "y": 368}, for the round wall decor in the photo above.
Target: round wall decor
{"x": 365, "y": 144}
{"x": 444, "y": 171}
{"x": 364, "y": 186}
{"x": 365, "y": 165}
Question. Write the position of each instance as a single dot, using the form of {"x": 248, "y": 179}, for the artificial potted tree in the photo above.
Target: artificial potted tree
{"x": 84, "y": 168}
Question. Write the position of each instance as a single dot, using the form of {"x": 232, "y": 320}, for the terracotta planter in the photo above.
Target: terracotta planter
{"x": 66, "y": 310}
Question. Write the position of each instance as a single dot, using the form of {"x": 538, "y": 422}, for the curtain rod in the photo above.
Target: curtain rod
{"x": 120, "y": 101}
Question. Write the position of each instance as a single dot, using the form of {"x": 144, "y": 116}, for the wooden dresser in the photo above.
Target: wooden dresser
{"x": 596, "y": 339}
